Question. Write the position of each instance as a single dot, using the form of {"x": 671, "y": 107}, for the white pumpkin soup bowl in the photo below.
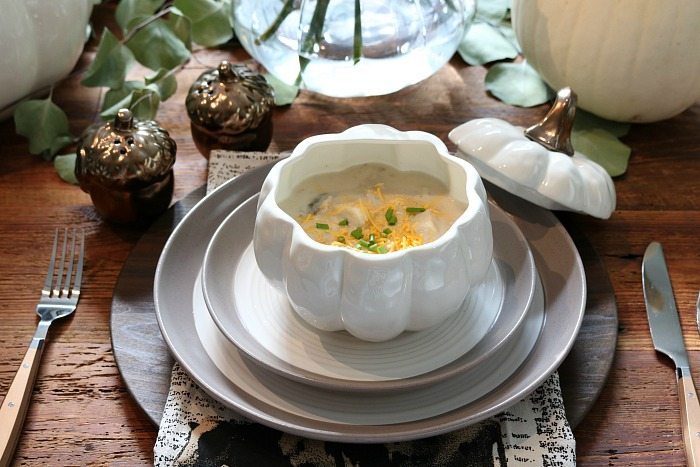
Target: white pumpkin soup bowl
{"x": 375, "y": 297}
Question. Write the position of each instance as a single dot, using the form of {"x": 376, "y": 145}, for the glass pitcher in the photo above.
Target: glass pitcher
{"x": 346, "y": 48}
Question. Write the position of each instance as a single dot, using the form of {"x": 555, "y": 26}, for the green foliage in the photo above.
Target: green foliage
{"x": 111, "y": 63}
{"x": 165, "y": 82}
{"x": 493, "y": 12}
{"x": 517, "y": 84}
{"x": 128, "y": 10}
{"x": 156, "y": 46}
{"x": 484, "y": 43}
{"x": 597, "y": 139}
{"x": 284, "y": 93}
{"x": 587, "y": 121}
{"x": 155, "y": 33}
{"x": 181, "y": 26}
{"x": 65, "y": 168}
{"x": 211, "y": 23}
{"x": 142, "y": 99}
{"x": 44, "y": 124}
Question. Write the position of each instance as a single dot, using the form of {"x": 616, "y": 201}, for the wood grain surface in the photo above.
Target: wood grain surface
{"x": 82, "y": 413}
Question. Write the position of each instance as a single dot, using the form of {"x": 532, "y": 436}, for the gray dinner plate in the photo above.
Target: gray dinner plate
{"x": 556, "y": 258}
{"x": 316, "y": 404}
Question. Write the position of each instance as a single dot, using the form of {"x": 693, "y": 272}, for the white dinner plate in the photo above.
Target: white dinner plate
{"x": 267, "y": 388}
{"x": 259, "y": 320}
{"x": 556, "y": 258}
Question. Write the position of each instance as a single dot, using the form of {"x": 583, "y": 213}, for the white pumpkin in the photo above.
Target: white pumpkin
{"x": 628, "y": 60}
{"x": 41, "y": 41}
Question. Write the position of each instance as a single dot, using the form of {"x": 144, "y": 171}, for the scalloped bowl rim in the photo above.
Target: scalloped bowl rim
{"x": 470, "y": 172}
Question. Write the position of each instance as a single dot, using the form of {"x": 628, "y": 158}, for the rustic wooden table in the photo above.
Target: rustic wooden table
{"x": 81, "y": 411}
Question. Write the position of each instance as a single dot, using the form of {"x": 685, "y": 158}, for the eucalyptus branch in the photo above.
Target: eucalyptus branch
{"x": 315, "y": 27}
{"x": 132, "y": 32}
{"x": 287, "y": 8}
{"x": 357, "y": 37}
{"x": 451, "y": 5}
{"x": 313, "y": 36}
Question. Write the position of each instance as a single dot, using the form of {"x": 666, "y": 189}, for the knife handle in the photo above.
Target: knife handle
{"x": 690, "y": 416}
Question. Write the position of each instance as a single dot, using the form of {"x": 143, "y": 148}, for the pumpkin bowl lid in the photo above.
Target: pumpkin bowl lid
{"x": 550, "y": 179}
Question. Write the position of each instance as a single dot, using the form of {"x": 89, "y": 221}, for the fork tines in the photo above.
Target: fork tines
{"x": 64, "y": 281}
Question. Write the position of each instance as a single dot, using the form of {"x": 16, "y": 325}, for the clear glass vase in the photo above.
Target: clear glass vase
{"x": 347, "y": 48}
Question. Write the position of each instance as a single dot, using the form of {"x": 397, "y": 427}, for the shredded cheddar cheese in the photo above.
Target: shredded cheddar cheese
{"x": 374, "y": 234}
{"x": 373, "y": 208}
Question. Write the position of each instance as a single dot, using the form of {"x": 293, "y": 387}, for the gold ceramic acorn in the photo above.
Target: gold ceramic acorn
{"x": 126, "y": 167}
{"x": 230, "y": 107}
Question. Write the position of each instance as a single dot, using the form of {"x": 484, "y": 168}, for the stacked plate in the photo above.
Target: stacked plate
{"x": 243, "y": 343}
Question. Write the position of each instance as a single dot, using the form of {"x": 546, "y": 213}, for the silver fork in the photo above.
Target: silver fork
{"x": 59, "y": 298}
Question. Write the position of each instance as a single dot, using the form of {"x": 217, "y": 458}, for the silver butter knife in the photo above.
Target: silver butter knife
{"x": 668, "y": 339}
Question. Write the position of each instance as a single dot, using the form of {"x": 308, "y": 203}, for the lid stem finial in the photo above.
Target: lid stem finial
{"x": 124, "y": 120}
{"x": 554, "y": 131}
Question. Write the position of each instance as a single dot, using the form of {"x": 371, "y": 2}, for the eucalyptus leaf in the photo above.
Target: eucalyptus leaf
{"x": 65, "y": 167}
{"x": 213, "y": 30}
{"x": 157, "y": 46}
{"x": 484, "y": 43}
{"x": 128, "y": 10}
{"x": 181, "y": 26}
{"x": 115, "y": 96}
{"x": 165, "y": 81}
{"x": 587, "y": 121}
{"x": 517, "y": 84}
{"x": 284, "y": 93}
{"x": 197, "y": 10}
{"x": 56, "y": 145}
{"x": 211, "y": 25}
{"x": 143, "y": 103}
{"x": 116, "y": 102}
{"x": 111, "y": 63}
{"x": 603, "y": 147}
{"x": 44, "y": 124}
{"x": 506, "y": 30}
{"x": 492, "y": 11}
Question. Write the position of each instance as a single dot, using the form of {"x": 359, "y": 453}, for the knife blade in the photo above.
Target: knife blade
{"x": 667, "y": 337}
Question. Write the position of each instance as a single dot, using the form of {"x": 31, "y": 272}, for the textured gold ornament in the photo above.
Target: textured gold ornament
{"x": 230, "y": 107}
{"x": 126, "y": 167}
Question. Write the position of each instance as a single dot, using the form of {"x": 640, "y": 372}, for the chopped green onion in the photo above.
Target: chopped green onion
{"x": 322, "y": 226}
{"x": 390, "y": 217}
{"x": 382, "y": 250}
{"x": 341, "y": 239}
{"x": 386, "y": 231}
{"x": 372, "y": 238}
{"x": 344, "y": 222}
{"x": 415, "y": 209}
{"x": 358, "y": 246}
{"x": 364, "y": 243}
{"x": 357, "y": 233}
{"x": 373, "y": 247}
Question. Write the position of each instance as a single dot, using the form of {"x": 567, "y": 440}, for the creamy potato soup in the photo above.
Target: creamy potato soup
{"x": 373, "y": 208}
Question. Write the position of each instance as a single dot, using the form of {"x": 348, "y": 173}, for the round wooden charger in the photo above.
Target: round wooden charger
{"x": 145, "y": 363}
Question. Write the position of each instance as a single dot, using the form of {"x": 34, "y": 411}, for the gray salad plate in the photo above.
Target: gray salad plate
{"x": 261, "y": 323}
